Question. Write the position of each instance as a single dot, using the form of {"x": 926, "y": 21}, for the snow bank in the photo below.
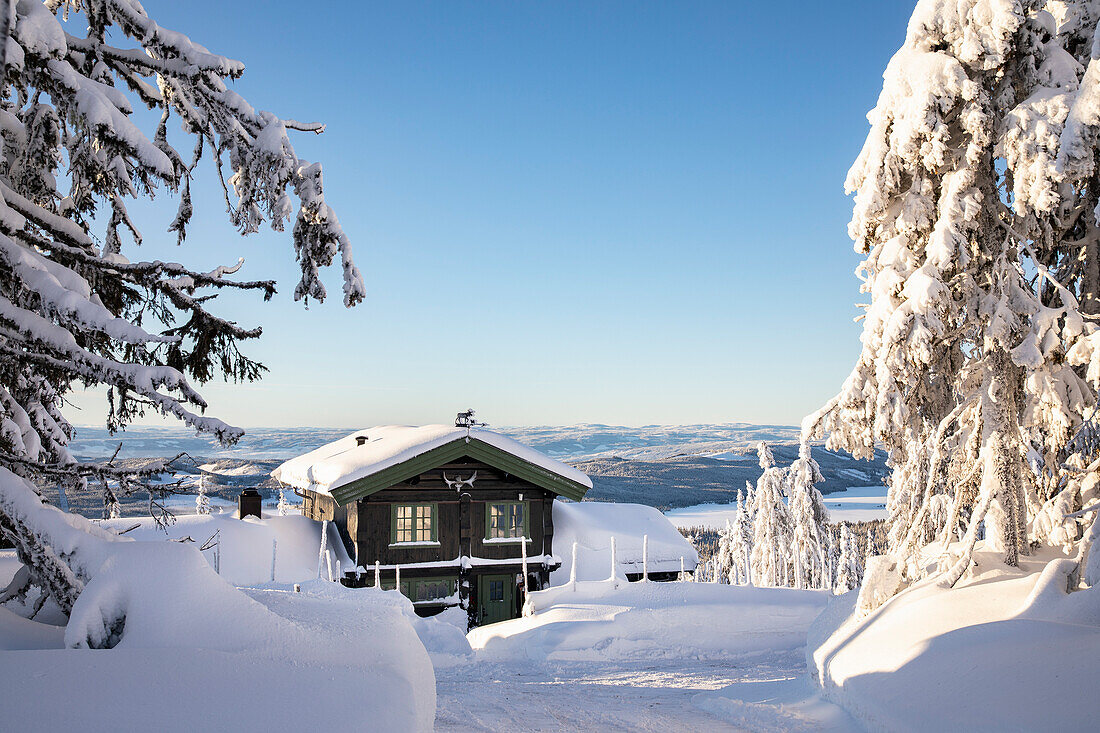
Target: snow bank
{"x": 636, "y": 621}
{"x": 193, "y": 652}
{"x": 244, "y": 547}
{"x": 592, "y": 524}
{"x": 1008, "y": 649}
{"x": 444, "y": 636}
{"x": 345, "y": 460}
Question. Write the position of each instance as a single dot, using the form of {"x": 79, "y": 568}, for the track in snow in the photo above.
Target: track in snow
{"x": 579, "y": 696}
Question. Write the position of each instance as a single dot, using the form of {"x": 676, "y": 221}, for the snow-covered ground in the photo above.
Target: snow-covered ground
{"x": 1006, "y": 649}
{"x": 643, "y": 656}
{"x": 857, "y": 504}
{"x": 193, "y": 652}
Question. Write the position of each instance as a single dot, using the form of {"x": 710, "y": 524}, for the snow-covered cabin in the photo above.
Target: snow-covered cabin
{"x": 446, "y": 508}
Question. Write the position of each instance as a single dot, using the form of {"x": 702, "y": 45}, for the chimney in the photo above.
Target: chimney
{"x": 360, "y": 439}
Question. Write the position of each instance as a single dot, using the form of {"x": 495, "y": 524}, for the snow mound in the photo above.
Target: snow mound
{"x": 243, "y": 654}
{"x": 592, "y": 524}
{"x": 444, "y": 636}
{"x": 244, "y": 547}
{"x": 1008, "y": 649}
{"x": 609, "y": 620}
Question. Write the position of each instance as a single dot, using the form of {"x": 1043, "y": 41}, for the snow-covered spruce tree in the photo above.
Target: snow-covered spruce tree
{"x": 771, "y": 540}
{"x": 202, "y": 501}
{"x": 74, "y": 310}
{"x": 740, "y": 541}
{"x": 850, "y": 566}
{"x": 724, "y": 562}
{"x": 976, "y": 207}
{"x": 808, "y": 519}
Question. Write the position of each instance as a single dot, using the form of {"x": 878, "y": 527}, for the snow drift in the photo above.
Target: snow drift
{"x": 617, "y": 620}
{"x": 1007, "y": 649}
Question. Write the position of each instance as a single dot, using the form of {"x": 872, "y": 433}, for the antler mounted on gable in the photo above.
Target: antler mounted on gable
{"x": 458, "y": 484}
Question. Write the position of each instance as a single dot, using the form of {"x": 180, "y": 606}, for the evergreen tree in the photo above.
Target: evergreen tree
{"x": 723, "y": 556}
{"x": 976, "y": 209}
{"x": 75, "y": 310}
{"x": 202, "y": 501}
{"x": 741, "y": 541}
{"x": 849, "y": 566}
{"x": 771, "y": 525}
{"x": 808, "y": 519}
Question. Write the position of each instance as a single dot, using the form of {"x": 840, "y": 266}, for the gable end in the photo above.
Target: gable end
{"x": 463, "y": 447}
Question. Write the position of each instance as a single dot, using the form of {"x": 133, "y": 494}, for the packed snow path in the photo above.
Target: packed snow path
{"x": 657, "y": 695}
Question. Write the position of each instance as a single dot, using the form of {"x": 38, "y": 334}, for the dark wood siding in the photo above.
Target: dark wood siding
{"x": 371, "y": 523}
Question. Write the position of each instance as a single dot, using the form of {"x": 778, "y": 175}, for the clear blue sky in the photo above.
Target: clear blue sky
{"x": 565, "y": 212}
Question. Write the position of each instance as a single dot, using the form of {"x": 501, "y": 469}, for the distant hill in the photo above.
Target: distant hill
{"x": 660, "y": 465}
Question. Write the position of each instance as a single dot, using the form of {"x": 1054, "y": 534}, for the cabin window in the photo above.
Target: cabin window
{"x": 506, "y": 520}
{"x": 413, "y": 523}
{"x": 427, "y": 590}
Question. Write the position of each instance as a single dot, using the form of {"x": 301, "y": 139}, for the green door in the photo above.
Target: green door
{"x": 496, "y": 598}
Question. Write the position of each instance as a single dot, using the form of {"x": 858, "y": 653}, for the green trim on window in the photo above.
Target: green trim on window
{"x": 414, "y": 520}
{"x": 505, "y": 519}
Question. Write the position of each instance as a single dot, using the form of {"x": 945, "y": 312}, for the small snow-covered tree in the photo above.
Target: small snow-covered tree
{"x": 284, "y": 506}
{"x": 74, "y": 309}
{"x": 976, "y": 209}
{"x": 739, "y": 542}
{"x": 849, "y": 566}
{"x": 111, "y": 508}
{"x": 202, "y": 501}
{"x": 808, "y": 519}
{"x": 723, "y": 555}
{"x": 771, "y": 525}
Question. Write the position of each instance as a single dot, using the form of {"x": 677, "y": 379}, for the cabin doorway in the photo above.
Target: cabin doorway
{"x": 496, "y": 598}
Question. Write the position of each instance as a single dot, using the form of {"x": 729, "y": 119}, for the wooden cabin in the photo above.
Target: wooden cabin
{"x": 448, "y": 510}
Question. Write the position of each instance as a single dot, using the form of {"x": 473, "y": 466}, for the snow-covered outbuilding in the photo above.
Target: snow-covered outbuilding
{"x": 447, "y": 510}
{"x": 645, "y": 542}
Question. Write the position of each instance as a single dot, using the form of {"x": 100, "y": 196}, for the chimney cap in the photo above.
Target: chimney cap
{"x": 360, "y": 439}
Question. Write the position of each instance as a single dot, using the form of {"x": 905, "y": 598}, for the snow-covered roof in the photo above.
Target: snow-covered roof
{"x": 345, "y": 461}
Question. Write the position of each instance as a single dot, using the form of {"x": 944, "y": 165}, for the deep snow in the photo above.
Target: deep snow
{"x": 1006, "y": 649}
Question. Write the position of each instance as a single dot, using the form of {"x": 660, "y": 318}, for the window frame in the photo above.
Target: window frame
{"x": 412, "y": 584}
{"x": 432, "y": 530}
{"x": 525, "y": 531}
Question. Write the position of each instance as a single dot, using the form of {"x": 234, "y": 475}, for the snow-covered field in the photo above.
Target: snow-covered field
{"x": 857, "y": 504}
